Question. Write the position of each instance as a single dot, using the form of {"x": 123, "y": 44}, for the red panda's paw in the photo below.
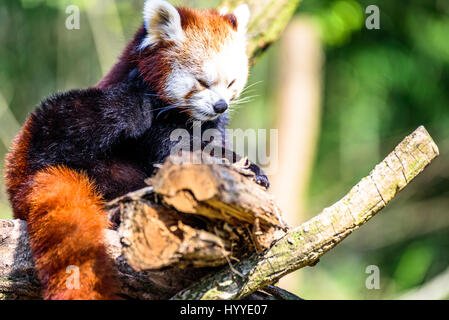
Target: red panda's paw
{"x": 263, "y": 181}
{"x": 259, "y": 176}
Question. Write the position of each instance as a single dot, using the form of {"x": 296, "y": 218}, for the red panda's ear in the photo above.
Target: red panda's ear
{"x": 243, "y": 14}
{"x": 162, "y": 22}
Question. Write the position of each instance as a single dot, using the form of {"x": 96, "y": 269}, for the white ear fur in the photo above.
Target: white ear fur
{"x": 162, "y": 22}
{"x": 224, "y": 11}
{"x": 242, "y": 14}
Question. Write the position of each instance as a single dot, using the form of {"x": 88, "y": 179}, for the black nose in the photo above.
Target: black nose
{"x": 221, "y": 106}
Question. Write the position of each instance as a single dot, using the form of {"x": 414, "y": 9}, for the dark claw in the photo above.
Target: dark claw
{"x": 263, "y": 181}
{"x": 261, "y": 178}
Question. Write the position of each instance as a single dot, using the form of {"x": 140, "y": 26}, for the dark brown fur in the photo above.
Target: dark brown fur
{"x": 84, "y": 147}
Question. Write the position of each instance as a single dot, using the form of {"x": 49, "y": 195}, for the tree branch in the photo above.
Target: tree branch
{"x": 300, "y": 247}
{"x": 196, "y": 215}
{"x": 307, "y": 243}
{"x": 17, "y": 275}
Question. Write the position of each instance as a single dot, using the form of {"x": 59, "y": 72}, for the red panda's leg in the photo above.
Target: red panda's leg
{"x": 66, "y": 224}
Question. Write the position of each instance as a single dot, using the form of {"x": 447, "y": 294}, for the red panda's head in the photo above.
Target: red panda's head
{"x": 194, "y": 59}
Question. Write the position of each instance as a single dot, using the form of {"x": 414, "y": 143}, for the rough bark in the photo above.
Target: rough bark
{"x": 17, "y": 274}
{"x": 307, "y": 243}
{"x": 300, "y": 247}
{"x": 18, "y": 277}
{"x": 196, "y": 215}
{"x": 165, "y": 250}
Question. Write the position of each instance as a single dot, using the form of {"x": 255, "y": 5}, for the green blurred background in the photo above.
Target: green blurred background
{"x": 378, "y": 86}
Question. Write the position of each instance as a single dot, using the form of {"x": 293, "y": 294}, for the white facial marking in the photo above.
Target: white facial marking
{"x": 228, "y": 67}
{"x": 219, "y": 76}
{"x": 225, "y": 74}
{"x": 179, "y": 83}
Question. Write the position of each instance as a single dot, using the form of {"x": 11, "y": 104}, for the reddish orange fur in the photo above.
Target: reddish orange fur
{"x": 208, "y": 24}
{"x": 200, "y": 27}
{"x": 154, "y": 64}
{"x": 63, "y": 211}
{"x": 66, "y": 224}
{"x": 17, "y": 175}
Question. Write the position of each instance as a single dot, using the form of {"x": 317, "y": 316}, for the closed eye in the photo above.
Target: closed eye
{"x": 231, "y": 84}
{"x": 203, "y": 84}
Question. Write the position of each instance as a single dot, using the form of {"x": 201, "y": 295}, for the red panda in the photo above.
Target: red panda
{"x": 81, "y": 148}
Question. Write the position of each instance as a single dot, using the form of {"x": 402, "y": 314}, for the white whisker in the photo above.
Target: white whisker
{"x": 252, "y": 85}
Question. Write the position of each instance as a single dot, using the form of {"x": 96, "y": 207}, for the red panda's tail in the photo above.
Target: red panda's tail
{"x": 65, "y": 223}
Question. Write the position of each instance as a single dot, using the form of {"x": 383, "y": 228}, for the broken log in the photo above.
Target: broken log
{"x": 18, "y": 277}
{"x": 196, "y": 215}
{"x": 300, "y": 247}
{"x": 304, "y": 245}
{"x": 17, "y": 274}
{"x": 192, "y": 218}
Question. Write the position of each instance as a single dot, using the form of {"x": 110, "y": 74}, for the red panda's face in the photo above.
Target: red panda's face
{"x": 196, "y": 60}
